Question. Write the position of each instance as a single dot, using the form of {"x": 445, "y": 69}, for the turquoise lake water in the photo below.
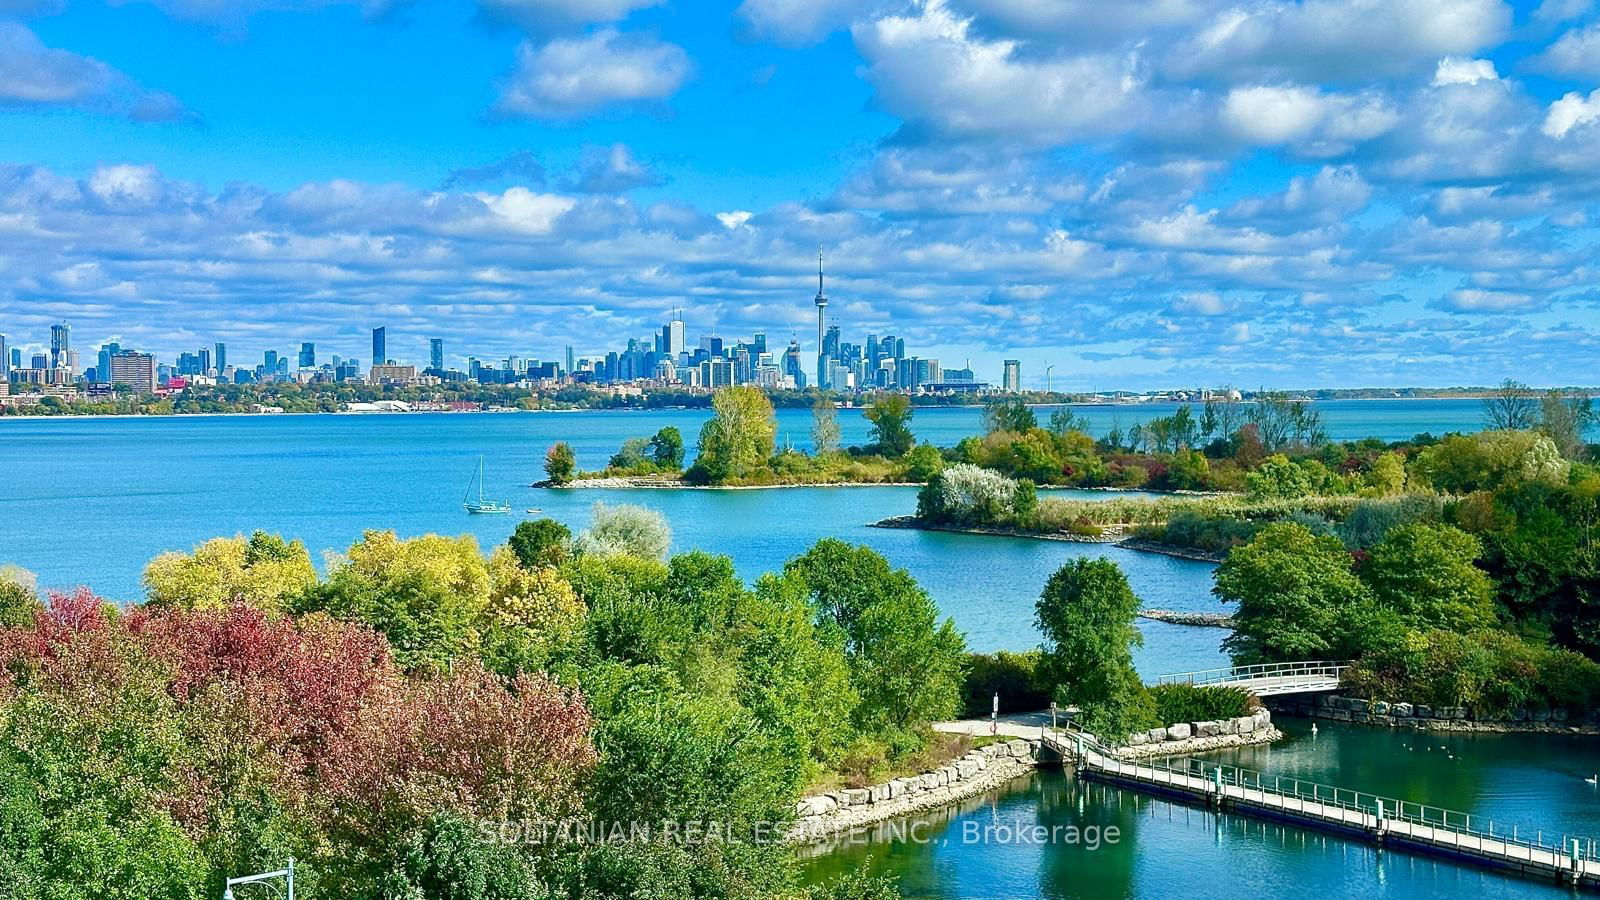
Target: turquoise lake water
{"x": 90, "y": 501}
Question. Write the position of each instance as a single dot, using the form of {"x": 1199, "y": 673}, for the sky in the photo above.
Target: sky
{"x": 1328, "y": 193}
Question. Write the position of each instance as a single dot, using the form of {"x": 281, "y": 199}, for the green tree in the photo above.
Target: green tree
{"x": 19, "y": 596}
{"x": 560, "y": 463}
{"x": 1425, "y": 573}
{"x": 450, "y": 858}
{"x": 1387, "y": 475}
{"x": 737, "y": 440}
{"x": 542, "y": 542}
{"x": 905, "y": 665}
{"x": 824, "y": 425}
{"x": 1279, "y": 478}
{"x": 890, "y": 416}
{"x": 264, "y": 571}
{"x": 667, "y": 448}
{"x": 1008, "y": 414}
{"x": 923, "y": 462}
{"x": 1293, "y": 590}
{"x": 1188, "y": 470}
{"x": 427, "y": 594}
{"x": 532, "y": 615}
{"x": 1086, "y": 614}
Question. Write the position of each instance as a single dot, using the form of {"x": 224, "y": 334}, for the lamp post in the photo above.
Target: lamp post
{"x": 287, "y": 874}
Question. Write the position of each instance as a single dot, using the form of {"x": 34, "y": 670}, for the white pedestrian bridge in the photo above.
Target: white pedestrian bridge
{"x": 1269, "y": 679}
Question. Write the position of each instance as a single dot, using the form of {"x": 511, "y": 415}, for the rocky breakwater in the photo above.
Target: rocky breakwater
{"x": 1198, "y": 737}
{"x": 1437, "y": 718}
{"x": 829, "y": 814}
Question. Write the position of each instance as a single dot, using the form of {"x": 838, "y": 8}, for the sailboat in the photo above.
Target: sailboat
{"x": 482, "y": 506}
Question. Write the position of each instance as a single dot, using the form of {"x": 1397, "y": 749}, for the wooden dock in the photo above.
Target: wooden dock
{"x": 1354, "y": 814}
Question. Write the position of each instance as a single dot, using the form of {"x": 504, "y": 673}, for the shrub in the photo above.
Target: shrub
{"x": 923, "y": 462}
{"x": 1203, "y": 703}
{"x": 627, "y": 530}
{"x": 1014, "y": 676}
{"x": 543, "y": 542}
{"x": 968, "y": 495}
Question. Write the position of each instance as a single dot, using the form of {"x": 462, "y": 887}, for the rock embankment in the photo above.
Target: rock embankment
{"x": 826, "y": 815}
{"x": 1436, "y": 718}
{"x": 1204, "y": 619}
{"x": 1197, "y": 737}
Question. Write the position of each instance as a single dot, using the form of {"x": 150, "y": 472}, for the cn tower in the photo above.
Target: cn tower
{"x": 822, "y": 303}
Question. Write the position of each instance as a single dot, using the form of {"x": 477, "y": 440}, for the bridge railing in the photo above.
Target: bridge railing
{"x": 1466, "y": 829}
{"x": 1308, "y": 671}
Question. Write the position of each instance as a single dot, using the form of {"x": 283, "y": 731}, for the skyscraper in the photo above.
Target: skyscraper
{"x": 60, "y": 343}
{"x": 136, "y": 370}
{"x": 673, "y": 337}
{"x": 103, "y": 368}
{"x": 570, "y": 368}
{"x": 269, "y": 362}
{"x": 436, "y": 353}
{"x": 222, "y": 356}
{"x": 308, "y": 355}
{"x": 822, "y": 304}
{"x": 5, "y": 361}
{"x": 1011, "y": 382}
{"x": 380, "y": 346}
{"x": 16, "y": 357}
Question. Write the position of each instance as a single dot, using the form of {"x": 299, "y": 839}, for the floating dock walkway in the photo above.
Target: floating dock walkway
{"x": 1385, "y": 821}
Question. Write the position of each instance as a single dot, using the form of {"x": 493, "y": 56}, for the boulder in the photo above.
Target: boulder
{"x": 1156, "y": 735}
{"x": 1244, "y": 724}
{"x": 877, "y": 793}
{"x": 1519, "y": 714}
{"x": 1179, "y": 732}
{"x": 1019, "y": 748}
{"x": 1379, "y": 708}
{"x": 819, "y": 805}
{"x": 1558, "y": 715}
{"x": 1422, "y": 712}
{"x": 1402, "y": 710}
{"x": 1138, "y": 739}
{"x": 857, "y": 796}
{"x": 1207, "y": 729}
{"x": 1229, "y": 726}
{"x": 1357, "y": 706}
{"x": 966, "y": 768}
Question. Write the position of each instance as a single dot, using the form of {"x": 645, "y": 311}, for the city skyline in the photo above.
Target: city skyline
{"x": 1331, "y": 192}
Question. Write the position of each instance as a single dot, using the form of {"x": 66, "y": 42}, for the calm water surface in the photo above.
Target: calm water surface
{"x": 90, "y": 501}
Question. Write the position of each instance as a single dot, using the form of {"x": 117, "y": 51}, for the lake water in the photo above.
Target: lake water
{"x": 90, "y": 501}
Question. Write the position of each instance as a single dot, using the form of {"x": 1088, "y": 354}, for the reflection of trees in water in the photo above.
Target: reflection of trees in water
{"x": 1085, "y": 869}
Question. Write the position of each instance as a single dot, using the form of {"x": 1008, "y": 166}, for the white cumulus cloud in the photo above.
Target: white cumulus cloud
{"x": 1572, "y": 110}
{"x": 575, "y": 77}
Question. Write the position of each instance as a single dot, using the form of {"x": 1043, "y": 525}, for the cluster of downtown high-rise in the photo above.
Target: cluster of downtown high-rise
{"x": 661, "y": 360}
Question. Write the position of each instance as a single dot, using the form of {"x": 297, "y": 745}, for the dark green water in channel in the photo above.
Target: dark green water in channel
{"x": 1169, "y": 849}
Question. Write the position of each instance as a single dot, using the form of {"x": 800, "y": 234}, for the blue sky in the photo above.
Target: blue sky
{"x": 1179, "y": 192}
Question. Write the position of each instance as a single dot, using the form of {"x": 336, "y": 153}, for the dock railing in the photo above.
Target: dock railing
{"x": 1284, "y": 674}
{"x": 1420, "y": 822}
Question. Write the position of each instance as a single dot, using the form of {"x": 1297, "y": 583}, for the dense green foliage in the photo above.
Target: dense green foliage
{"x": 1475, "y": 597}
{"x": 1016, "y": 677}
{"x": 1199, "y": 703}
{"x": 560, "y": 463}
{"x": 388, "y": 724}
{"x": 1086, "y": 614}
